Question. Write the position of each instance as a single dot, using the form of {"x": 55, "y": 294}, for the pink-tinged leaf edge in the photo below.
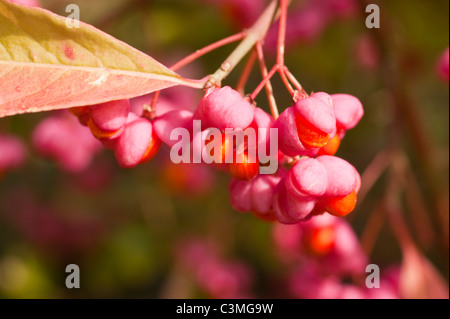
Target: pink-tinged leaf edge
{"x": 44, "y": 65}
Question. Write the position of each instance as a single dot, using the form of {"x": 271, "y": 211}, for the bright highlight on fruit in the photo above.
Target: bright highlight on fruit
{"x": 340, "y": 206}
{"x": 244, "y": 166}
{"x": 310, "y": 135}
{"x": 226, "y": 149}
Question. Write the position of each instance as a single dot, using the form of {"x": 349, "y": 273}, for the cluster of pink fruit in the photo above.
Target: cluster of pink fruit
{"x": 114, "y": 124}
{"x": 137, "y": 139}
{"x": 309, "y": 134}
{"x": 132, "y": 138}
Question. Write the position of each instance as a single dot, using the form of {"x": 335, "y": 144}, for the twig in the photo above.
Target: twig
{"x": 286, "y": 81}
{"x": 269, "y": 89}
{"x": 292, "y": 78}
{"x": 263, "y": 82}
{"x": 240, "y": 86}
{"x": 207, "y": 49}
{"x": 282, "y": 32}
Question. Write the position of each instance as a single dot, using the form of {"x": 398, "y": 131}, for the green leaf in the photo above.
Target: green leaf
{"x": 45, "y": 65}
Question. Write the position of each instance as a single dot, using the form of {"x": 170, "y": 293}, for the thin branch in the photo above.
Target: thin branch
{"x": 240, "y": 86}
{"x": 263, "y": 82}
{"x": 292, "y": 78}
{"x": 269, "y": 89}
{"x": 286, "y": 81}
{"x": 195, "y": 84}
{"x": 207, "y": 49}
{"x": 256, "y": 33}
{"x": 282, "y": 32}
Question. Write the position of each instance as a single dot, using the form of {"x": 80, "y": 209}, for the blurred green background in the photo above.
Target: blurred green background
{"x": 138, "y": 219}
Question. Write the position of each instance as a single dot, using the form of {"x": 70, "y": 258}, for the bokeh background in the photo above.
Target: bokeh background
{"x": 133, "y": 232}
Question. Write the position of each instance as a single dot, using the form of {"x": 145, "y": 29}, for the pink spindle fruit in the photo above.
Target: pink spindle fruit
{"x": 315, "y": 120}
{"x": 262, "y": 120}
{"x": 255, "y": 196}
{"x": 245, "y": 166}
{"x": 348, "y": 110}
{"x": 342, "y": 178}
{"x": 225, "y": 108}
{"x": 108, "y": 119}
{"x": 290, "y": 209}
{"x": 165, "y": 124}
{"x": 343, "y": 183}
{"x": 137, "y": 144}
{"x": 288, "y": 140}
{"x": 307, "y": 179}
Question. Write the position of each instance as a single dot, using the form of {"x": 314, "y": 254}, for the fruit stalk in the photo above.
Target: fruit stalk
{"x": 269, "y": 89}
{"x": 256, "y": 33}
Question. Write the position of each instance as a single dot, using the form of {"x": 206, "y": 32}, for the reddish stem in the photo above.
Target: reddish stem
{"x": 292, "y": 78}
{"x": 269, "y": 89}
{"x": 282, "y": 32}
{"x": 154, "y": 101}
{"x": 207, "y": 49}
{"x": 263, "y": 82}
{"x": 286, "y": 81}
{"x": 240, "y": 87}
{"x": 197, "y": 54}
